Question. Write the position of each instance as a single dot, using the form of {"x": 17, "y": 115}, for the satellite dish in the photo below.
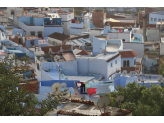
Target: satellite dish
{"x": 103, "y": 102}
{"x": 63, "y": 85}
{"x": 160, "y": 78}
{"x": 41, "y": 58}
{"x": 124, "y": 73}
{"x": 56, "y": 88}
{"x": 119, "y": 99}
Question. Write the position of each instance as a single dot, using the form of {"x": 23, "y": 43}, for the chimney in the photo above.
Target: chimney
{"x": 59, "y": 73}
{"x": 144, "y": 27}
{"x": 71, "y": 48}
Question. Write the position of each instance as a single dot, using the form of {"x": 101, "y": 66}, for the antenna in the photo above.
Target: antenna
{"x": 41, "y": 59}
{"x": 103, "y": 102}
{"x": 119, "y": 99}
{"x": 56, "y": 88}
{"x": 63, "y": 85}
{"x": 124, "y": 73}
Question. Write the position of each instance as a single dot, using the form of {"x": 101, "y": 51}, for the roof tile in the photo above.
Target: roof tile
{"x": 59, "y": 36}
{"x": 126, "y": 54}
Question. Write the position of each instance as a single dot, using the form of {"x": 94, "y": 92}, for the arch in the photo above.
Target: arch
{"x": 128, "y": 63}
{"x": 124, "y": 63}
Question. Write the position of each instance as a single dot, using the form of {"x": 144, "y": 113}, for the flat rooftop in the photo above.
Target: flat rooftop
{"x": 160, "y": 12}
{"x": 112, "y": 47}
{"x": 81, "y": 78}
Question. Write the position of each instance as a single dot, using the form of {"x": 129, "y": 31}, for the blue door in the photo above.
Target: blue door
{"x": 31, "y": 20}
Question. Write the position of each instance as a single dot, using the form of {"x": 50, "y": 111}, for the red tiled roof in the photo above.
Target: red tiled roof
{"x": 59, "y": 36}
{"x": 126, "y": 54}
{"x": 55, "y": 48}
{"x": 83, "y": 52}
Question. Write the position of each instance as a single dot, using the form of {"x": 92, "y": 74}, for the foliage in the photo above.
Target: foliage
{"x": 142, "y": 100}
{"x": 15, "y": 102}
{"x": 161, "y": 68}
{"x": 78, "y": 10}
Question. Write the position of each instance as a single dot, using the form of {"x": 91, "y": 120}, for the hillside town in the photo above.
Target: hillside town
{"x": 89, "y": 52}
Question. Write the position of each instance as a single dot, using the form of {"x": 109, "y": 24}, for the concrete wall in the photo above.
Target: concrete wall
{"x": 49, "y": 30}
{"x": 131, "y": 60}
{"x": 76, "y": 31}
{"x": 66, "y": 17}
{"x": 66, "y": 27}
{"x": 94, "y": 33}
{"x": 152, "y": 35}
{"x": 126, "y": 36}
{"x": 137, "y": 47}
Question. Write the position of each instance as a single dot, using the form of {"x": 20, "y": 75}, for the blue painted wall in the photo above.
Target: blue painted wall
{"x": 25, "y": 19}
{"x": 28, "y": 42}
{"x": 51, "y": 82}
{"x": 49, "y": 30}
{"x": 131, "y": 60}
{"x": 15, "y": 30}
{"x": 38, "y": 21}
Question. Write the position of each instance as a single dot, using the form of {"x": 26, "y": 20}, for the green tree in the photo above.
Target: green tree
{"x": 161, "y": 67}
{"x": 11, "y": 99}
{"x": 142, "y": 100}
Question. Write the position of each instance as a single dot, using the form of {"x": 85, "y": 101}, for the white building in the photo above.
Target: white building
{"x": 152, "y": 34}
{"x": 156, "y": 17}
{"x": 79, "y": 25}
{"x": 99, "y": 64}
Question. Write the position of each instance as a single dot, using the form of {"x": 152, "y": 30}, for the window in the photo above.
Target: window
{"x": 111, "y": 65}
{"x": 12, "y": 12}
{"x": 155, "y": 19}
{"x": 20, "y": 41}
{"x": 39, "y": 34}
{"x": 151, "y": 19}
{"x": 32, "y": 42}
{"x": 38, "y": 66}
{"x": 159, "y": 20}
{"x": 124, "y": 63}
{"x": 123, "y": 40}
{"x": 116, "y": 62}
{"x": 32, "y": 33}
{"x": 128, "y": 63}
{"x": 162, "y": 19}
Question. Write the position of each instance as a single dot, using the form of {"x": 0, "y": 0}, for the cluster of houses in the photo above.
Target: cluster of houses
{"x": 86, "y": 52}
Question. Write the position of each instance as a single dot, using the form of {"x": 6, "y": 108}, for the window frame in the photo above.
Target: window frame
{"x": 124, "y": 63}
{"x": 155, "y": 19}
